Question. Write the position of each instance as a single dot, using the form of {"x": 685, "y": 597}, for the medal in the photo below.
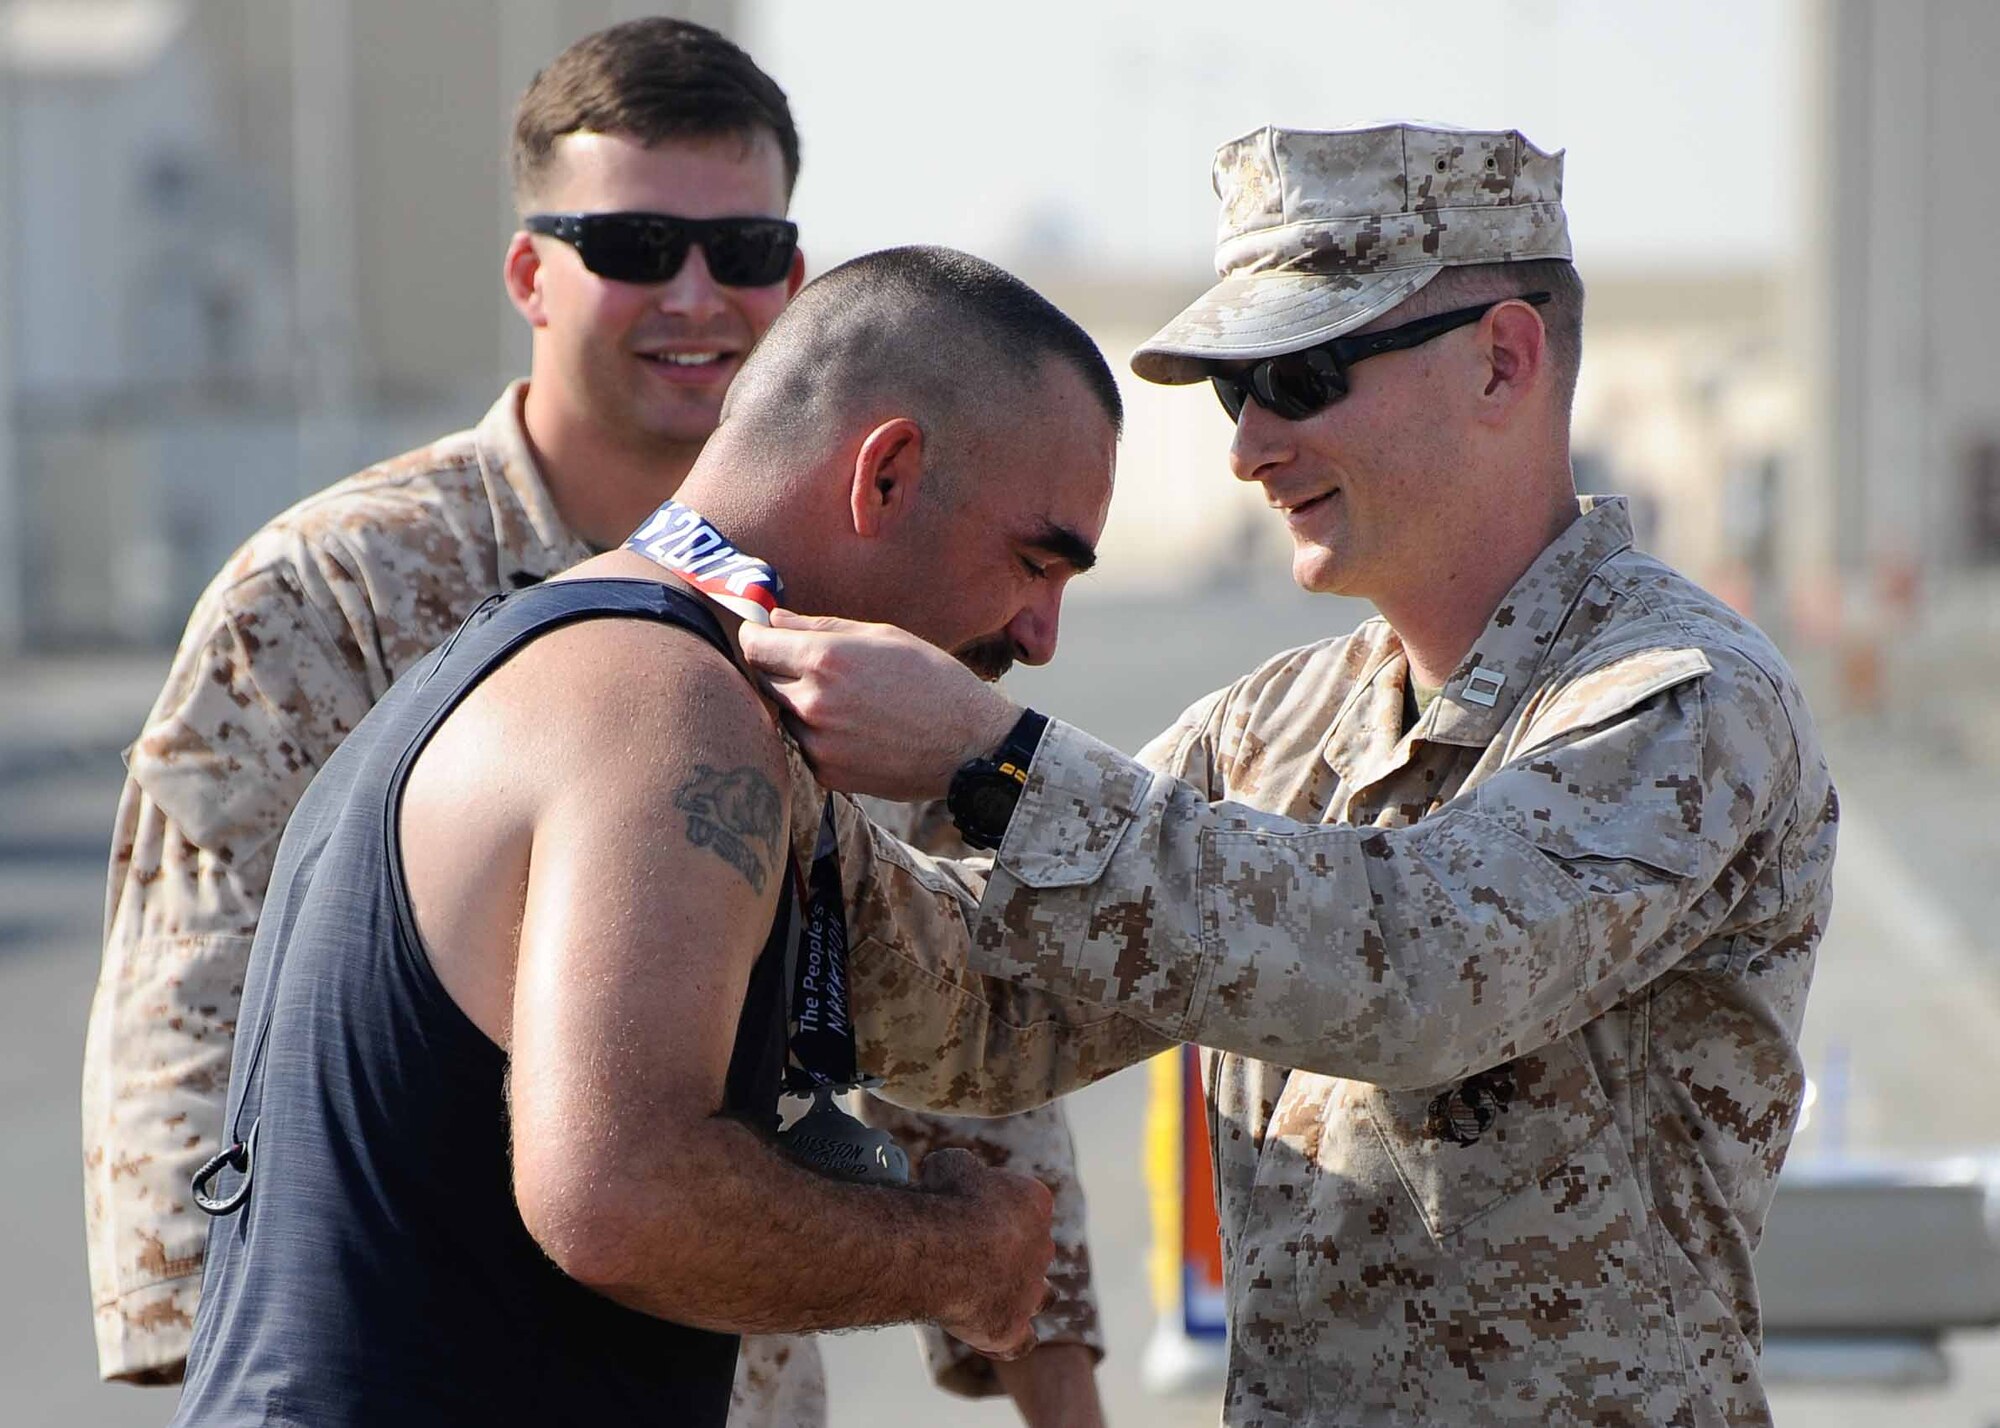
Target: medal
{"x": 834, "y": 1143}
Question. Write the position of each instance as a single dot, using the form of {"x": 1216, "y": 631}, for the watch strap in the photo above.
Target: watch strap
{"x": 1017, "y": 751}
{"x": 985, "y": 791}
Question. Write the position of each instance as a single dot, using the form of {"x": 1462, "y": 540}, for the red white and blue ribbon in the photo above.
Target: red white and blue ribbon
{"x": 682, "y": 539}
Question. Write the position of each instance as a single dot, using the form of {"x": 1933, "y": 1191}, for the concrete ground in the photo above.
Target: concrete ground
{"x": 1908, "y": 1000}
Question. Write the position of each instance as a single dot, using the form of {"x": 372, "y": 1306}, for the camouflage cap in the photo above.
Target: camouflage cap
{"x": 1323, "y": 231}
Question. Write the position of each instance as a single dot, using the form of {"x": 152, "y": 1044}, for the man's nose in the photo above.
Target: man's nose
{"x": 692, "y": 292}
{"x": 1033, "y": 630}
{"x": 1262, "y": 445}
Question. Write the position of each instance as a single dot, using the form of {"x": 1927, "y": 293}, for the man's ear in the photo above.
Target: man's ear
{"x": 521, "y": 273}
{"x": 1517, "y": 353}
{"x": 796, "y": 278}
{"x": 888, "y": 475}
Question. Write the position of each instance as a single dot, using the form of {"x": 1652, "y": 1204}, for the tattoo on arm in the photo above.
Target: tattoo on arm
{"x": 737, "y": 814}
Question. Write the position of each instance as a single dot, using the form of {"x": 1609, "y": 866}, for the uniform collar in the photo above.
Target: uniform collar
{"x": 1488, "y": 684}
{"x": 1365, "y": 741}
{"x": 533, "y": 541}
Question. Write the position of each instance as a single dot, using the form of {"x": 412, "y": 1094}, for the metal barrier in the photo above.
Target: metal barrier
{"x": 1865, "y": 1268}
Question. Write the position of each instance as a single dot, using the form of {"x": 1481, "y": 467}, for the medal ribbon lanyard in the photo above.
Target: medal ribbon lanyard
{"x": 681, "y": 538}
{"x": 821, "y": 1045}
{"x": 820, "y": 1059}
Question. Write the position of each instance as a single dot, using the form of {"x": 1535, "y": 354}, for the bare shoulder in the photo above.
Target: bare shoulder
{"x": 631, "y": 715}
{"x": 608, "y": 671}
{"x": 625, "y": 764}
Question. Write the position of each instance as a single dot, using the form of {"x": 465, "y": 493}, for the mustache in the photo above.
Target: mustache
{"x": 989, "y": 658}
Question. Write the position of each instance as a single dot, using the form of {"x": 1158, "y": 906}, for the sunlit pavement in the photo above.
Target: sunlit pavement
{"x": 1908, "y": 998}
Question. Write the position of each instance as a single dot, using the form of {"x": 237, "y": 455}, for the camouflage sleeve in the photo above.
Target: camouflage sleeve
{"x": 1033, "y": 1143}
{"x": 1408, "y": 956}
{"x": 258, "y": 694}
{"x": 944, "y": 1037}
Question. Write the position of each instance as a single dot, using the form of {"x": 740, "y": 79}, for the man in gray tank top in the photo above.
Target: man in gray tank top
{"x": 331, "y": 602}
{"x": 571, "y": 845}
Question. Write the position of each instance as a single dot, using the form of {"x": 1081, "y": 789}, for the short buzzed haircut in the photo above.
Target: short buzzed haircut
{"x": 1474, "y": 283}
{"x": 649, "y": 80}
{"x": 938, "y": 334}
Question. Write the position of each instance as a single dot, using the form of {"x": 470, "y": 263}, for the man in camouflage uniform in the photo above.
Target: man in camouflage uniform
{"x": 1497, "y": 916}
{"x": 321, "y": 610}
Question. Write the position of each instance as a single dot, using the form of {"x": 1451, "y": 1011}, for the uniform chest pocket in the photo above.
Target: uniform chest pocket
{"x": 1463, "y": 1150}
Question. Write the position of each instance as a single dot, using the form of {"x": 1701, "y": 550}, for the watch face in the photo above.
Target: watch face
{"x": 982, "y": 801}
{"x": 990, "y": 802}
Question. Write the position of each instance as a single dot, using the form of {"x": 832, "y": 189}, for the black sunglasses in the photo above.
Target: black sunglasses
{"x": 650, "y": 247}
{"x": 1294, "y": 385}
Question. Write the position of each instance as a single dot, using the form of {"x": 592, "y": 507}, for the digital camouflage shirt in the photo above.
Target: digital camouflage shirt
{"x": 304, "y": 629}
{"x": 1502, "y": 1012}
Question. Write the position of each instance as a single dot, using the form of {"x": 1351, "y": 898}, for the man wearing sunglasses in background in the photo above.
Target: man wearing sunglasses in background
{"x": 653, "y": 164}
{"x": 1497, "y": 915}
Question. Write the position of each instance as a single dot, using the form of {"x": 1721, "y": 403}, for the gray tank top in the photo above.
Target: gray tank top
{"x": 376, "y": 1270}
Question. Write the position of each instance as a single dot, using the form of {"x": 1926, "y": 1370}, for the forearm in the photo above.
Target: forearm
{"x": 724, "y": 1231}
{"x": 1401, "y": 956}
{"x": 1054, "y": 1387}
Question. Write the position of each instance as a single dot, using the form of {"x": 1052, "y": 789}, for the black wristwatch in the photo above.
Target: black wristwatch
{"x": 984, "y": 791}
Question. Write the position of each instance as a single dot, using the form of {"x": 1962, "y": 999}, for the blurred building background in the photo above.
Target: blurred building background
{"x": 248, "y": 245}
{"x": 1897, "y": 539}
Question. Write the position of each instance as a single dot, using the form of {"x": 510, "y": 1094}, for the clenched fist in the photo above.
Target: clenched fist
{"x": 990, "y": 1300}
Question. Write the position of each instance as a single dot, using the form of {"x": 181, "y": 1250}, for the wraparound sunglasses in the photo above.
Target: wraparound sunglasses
{"x": 1294, "y": 385}
{"x": 650, "y": 247}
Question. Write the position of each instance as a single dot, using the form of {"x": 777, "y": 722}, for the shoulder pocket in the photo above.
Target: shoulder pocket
{"x": 1609, "y": 691}
{"x": 1611, "y": 766}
